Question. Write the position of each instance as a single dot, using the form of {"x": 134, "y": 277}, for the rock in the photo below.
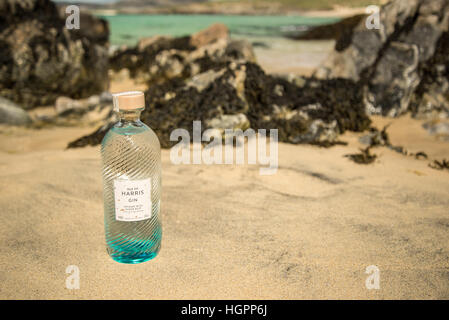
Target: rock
{"x": 390, "y": 90}
{"x": 431, "y": 97}
{"x": 240, "y": 50}
{"x": 157, "y": 59}
{"x": 240, "y": 95}
{"x": 141, "y": 58}
{"x": 94, "y": 110}
{"x": 210, "y": 35}
{"x": 41, "y": 59}
{"x": 213, "y": 50}
{"x": 229, "y": 121}
{"x": 167, "y": 64}
{"x": 64, "y": 104}
{"x": 106, "y": 98}
{"x": 335, "y": 99}
{"x": 149, "y": 41}
{"x": 376, "y": 137}
{"x": 203, "y": 80}
{"x": 94, "y": 100}
{"x": 440, "y": 129}
{"x": 318, "y": 132}
{"x": 12, "y": 114}
{"x": 340, "y": 30}
{"x": 396, "y": 64}
{"x": 219, "y": 84}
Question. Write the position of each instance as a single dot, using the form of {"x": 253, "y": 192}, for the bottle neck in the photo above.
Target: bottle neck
{"x": 127, "y": 116}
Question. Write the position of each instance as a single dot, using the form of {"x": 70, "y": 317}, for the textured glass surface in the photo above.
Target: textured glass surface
{"x": 131, "y": 151}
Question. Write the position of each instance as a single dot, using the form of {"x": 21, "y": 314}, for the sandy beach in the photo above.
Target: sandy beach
{"x": 309, "y": 231}
{"x": 285, "y": 56}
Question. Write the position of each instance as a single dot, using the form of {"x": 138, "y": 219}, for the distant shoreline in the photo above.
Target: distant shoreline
{"x": 238, "y": 10}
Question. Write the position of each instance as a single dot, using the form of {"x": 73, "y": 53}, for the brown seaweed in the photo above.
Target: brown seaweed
{"x": 439, "y": 165}
{"x": 364, "y": 157}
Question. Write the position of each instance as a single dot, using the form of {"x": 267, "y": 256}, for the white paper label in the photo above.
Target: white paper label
{"x": 132, "y": 200}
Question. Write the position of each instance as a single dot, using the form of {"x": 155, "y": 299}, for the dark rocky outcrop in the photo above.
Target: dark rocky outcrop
{"x": 341, "y": 31}
{"x": 139, "y": 59}
{"x": 240, "y": 95}
{"x": 158, "y": 58}
{"x": 431, "y": 97}
{"x": 220, "y": 84}
{"x": 403, "y": 65}
{"x": 41, "y": 59}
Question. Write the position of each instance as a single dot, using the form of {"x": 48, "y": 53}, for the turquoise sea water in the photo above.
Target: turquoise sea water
{"x": 127, "y": 29}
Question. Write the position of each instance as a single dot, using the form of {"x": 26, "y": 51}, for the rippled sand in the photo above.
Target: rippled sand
{"x": 309, "y": 231}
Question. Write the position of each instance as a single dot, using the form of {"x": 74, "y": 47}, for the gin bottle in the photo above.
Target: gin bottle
{"x": 131, "y": 159}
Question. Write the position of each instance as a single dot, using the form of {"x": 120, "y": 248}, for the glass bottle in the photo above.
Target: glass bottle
{"x": 131, "y": 159}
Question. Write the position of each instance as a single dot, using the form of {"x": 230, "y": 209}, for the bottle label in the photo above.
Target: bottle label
{"x": 132, "y": 200}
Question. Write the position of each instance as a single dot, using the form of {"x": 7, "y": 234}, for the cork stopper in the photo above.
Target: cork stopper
{"x": 128, "y": 100}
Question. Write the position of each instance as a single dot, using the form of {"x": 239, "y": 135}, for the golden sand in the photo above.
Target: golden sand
{"x": 309, "y": 231}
